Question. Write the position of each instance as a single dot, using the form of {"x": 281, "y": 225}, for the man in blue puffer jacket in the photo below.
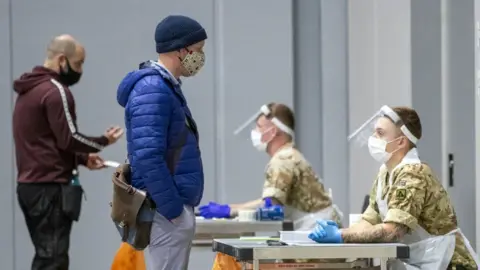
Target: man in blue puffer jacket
{"x": 162, "y": 138}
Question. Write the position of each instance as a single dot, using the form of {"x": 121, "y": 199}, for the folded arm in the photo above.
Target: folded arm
{"x": 149, "y": 121}
{"x": 370, "y": 229}
{"x": 404, "y": 202}
{"x": 63, "y": 124}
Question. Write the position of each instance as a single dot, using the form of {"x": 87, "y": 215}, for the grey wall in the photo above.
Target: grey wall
{"x": 379, "y": 74}
{"x": 321, "y": 81}
{"x": 427, "y": 83}
{"x": 255, "y": 66}
{"x": 460, "y": 100}
{"x": 443, "y": 76}
{"x": 334, "y": 89}
{"x": 7, "y": 241}
{"x": 477, "y": 117}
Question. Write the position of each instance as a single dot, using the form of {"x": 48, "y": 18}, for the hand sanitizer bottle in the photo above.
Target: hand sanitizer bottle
{"x": 270, "y": 212}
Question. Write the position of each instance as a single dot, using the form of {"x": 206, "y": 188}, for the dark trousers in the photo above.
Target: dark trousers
{"x": 48, "y": 226}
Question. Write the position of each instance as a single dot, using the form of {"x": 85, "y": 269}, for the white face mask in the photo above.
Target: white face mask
{"x": 256, "y": 137}
{"x": 193, "y": 62}
{"x": 378, "y": 149}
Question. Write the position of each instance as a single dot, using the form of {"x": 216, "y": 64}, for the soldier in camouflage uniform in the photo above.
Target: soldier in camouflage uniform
{"x": 407, "y": 202}
{"x": 416, "y": 197}
{"x": 289, "y": 179}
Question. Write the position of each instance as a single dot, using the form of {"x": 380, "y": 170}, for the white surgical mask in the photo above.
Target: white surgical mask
{"x": 256, "y": 137}
{"x": 378, "y": 149}
{"x": 193, "y": 62}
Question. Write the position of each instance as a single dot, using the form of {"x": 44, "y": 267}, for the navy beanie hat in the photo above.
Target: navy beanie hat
{"x": 176, "y": 32}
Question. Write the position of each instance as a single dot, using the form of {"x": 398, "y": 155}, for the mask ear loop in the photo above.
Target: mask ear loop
{"x": 180, "y": 52}
{"x": 62, "y": 68}
{"x": 396, "y": 139}
{"x": 268, "y": 130}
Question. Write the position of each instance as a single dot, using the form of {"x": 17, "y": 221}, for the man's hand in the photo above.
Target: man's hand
{"x": 215, "y": 210}
{"x": 113, "y": 134}
{"x": 95, "y": 162}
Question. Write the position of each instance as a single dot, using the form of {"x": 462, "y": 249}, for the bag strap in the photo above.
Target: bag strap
{"x": 188, "y": 119}
{"x": 125, "y": 233}
{"x": 174, "y": 156}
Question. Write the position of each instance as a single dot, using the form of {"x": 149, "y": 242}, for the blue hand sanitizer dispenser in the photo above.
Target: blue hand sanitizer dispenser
{"x": 270, "y": 212}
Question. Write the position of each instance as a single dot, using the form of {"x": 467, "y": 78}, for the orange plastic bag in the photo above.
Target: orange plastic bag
{"x": 127, "y": 258}
{"x": 225, "y": 262}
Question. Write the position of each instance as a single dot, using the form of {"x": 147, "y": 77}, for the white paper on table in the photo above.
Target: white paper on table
{"x": 111, "y": 163}
{"x": 304, "y": 244}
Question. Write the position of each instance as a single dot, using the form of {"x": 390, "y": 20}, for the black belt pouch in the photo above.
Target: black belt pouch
{"x": 72, "y": 196}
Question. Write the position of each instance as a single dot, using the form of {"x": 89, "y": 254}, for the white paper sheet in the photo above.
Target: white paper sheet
{"x": 111, "y": 163}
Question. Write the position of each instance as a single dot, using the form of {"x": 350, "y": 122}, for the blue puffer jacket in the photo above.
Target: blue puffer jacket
{"x": 156, "y": 114}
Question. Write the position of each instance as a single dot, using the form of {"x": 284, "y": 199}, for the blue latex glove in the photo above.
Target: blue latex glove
{"x": 215, "y": 210}
{"x": 326, "y": 231}
{"x": 268, "y": 202}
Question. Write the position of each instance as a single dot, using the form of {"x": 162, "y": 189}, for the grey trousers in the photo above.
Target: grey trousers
{"x": 171, "y": 242}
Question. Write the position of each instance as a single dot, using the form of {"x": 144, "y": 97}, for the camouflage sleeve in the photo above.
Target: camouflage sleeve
{"x": 278, "y": 181}
{"x": 407, "y": 196}
{"x": 371, "y": 213}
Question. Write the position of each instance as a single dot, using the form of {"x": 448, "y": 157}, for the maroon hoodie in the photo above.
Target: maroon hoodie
{"x": 48, "y": 145}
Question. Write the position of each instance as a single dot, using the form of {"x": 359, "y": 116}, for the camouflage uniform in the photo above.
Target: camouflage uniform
{"x": 416, "y": 197}
{"x": 290, "y": 179}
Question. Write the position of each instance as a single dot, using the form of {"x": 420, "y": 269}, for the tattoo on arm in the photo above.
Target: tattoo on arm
{"x": 376, "y": 234}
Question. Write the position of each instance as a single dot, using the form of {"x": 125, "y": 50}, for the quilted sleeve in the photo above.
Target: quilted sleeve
{"x": 150, "y": 112}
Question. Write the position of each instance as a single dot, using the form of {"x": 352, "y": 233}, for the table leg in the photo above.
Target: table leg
{"x": 383, "y": 263}
{"x": 256, "y": 265}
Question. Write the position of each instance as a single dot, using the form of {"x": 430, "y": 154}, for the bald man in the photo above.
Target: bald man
{"x": 49, "y": 148}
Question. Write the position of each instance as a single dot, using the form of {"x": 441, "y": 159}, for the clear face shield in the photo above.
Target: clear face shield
{"x": 249, "y": 128}
{"x": 375, "y": 125}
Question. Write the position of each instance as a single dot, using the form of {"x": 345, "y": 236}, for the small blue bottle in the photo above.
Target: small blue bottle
{"x": 75, "y": 178}
{"x": 270, "y": 212}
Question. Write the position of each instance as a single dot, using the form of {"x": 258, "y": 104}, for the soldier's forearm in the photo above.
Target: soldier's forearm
{"x": 234, "y": 208}
{"x": 381, "y": 233}
{"x": 361, "y": 225}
